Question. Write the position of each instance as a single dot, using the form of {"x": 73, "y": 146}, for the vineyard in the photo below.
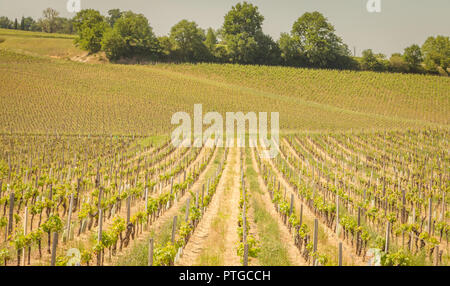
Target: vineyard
{"x": 40, "y": 95}
{"x": 88, "y": 174}
{"x": 329, "y": 197}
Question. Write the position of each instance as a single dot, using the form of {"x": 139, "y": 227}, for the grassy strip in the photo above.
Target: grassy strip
{"x": 272, "y": 250}
{"x": 155, "y": 140}
{"x": 212, "y": 255}
{"x": 19, "y": 33}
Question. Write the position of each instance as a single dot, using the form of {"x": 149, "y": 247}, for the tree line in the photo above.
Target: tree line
{"x": 49, "y": 23}
{"x": 312, "y": 42}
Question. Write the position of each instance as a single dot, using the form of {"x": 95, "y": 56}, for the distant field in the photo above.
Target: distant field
{"x": 40, "y": 94}
{"x": 56, "y": 45}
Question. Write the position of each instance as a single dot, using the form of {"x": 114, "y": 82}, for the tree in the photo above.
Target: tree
{"x": 211, "y": 40}
{"x": 22, "y": 23}
{"x": 241, "y": 24}
{"x": 221, "y": 53}
{"x": 243, "y": 36}
{"x": 291, "y": 52}
{"x": 188, "y": 41}
{"x": 114, "y": 15}
{"x": 5, "y": 23}
{"x": 49, "y": 20}
{"x": 436, "y": 53}
{"x": 131, "y": 36}
{"x": 90, "y": 27}
{"x": 268, "y": 52}
{"x": 315, "y": 37}
{"x": 243, "y": 18}
{"x": 63, "y": 25}
{"x": 413, "y": 57}
{"x": 371, "y": 61}
{"x": 397, "y": 63}
{"x": 35, "y": 26}
{"x": 166, "y": 46}
{"x": 16, "y": 24}
{"x": 28, "y": 23}
{"x": 114, "y": 45}
{"x": 241, "y": 48}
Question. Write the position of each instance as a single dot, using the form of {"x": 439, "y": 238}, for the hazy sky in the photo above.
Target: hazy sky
{"x": 400, "y": 23}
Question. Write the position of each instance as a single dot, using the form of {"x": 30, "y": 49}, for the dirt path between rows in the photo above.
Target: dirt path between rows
{"x": 198, "y": 241}
{"x": 212, "y": 242}
{"x": 232, "y": 204}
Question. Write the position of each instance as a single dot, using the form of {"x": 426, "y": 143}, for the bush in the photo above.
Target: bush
{"x": 131, "y": 36}
{"x": 90, "y": 27}
{"x": 113, "y": 45}
{"x": 395, "y": 259}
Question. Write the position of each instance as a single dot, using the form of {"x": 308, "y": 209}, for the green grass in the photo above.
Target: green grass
{"x": 156, "y": 140}
{"x": 30, "y": 34}
{"x": 379, "y": 95}
{"x": 213, "y": 256}
{"x": 133, "y": 99}
{"x": 118, "y": 99}
{"x": 36, "y": 43}
{"x": 272, "y": 251}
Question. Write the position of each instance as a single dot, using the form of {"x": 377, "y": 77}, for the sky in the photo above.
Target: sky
{"x": 400, "y": 23}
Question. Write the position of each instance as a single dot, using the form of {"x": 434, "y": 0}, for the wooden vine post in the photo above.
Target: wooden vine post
{"x": 187, "y": 210}
{"x": 315, "y": 238}
{"x": 11, "y": 213}
{"x": 128, "y": 209}
{"x": 174, "y": 228}
{"x": 99, "y": 236}
{"x": 69, "y": 216}
{"x": 203, "y": 194}
{"x": 437, "y": 256}
{"x": 146, "y": 205}
{"x": 54, "y": 246}
{"x": 337, "y": 215}
{"x": 388, "y": 231}
{"x": 292, "y": 205}
{"x": 150, "y": 252}
{"x": 430, "y": 215}
{"x": 358, "y": 234}
{"x": 25, "y": 226}
{"x": 245, "y": 254}
{"x": 301, "y": 214}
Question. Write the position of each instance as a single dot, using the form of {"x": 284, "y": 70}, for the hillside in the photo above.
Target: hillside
{"x": 53, "y": 45}
{"x": 70, "y": 97}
